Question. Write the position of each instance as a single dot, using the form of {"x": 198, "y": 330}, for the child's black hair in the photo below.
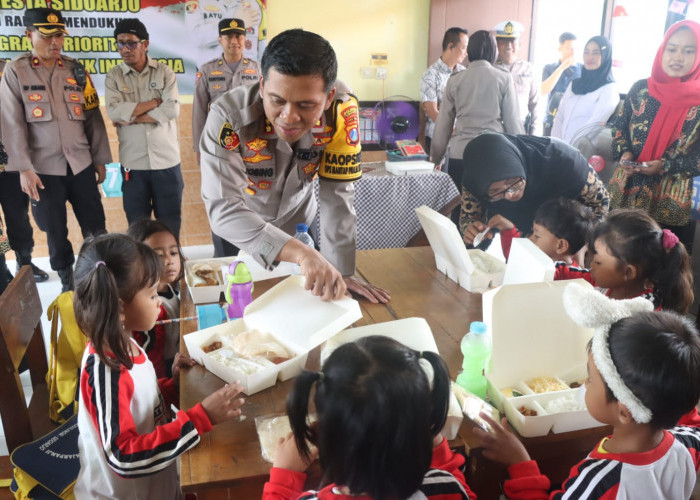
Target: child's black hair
{"x": 110, "y": 268}
{"x": 377, "y": 416}
{"x": 657, "y": 355}
{"x": 143, "y": 229}
{"x": 566, "y": 219}
{"x": 634, "y": 238}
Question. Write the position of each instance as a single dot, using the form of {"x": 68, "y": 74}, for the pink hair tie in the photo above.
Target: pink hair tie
{"x": 668, "y": 239}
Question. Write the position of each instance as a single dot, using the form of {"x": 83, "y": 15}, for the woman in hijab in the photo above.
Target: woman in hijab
{"x": 478, "y": 98}
{"x": 591, "y": 98}
{"x": 658, "y": 131}
{"x": 507, "y": 177}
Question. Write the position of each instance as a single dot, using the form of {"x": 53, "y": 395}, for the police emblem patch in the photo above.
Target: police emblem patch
{"x": 216, "y": 87}
{"x": 78, "y": 110}
{"x": 74, "y": 97}
{"x": 264, "y": 185}
{"x": 216, "y": 72}
{"x": 197, "y": 77}
{"x": 35, "y": 97}
{"x": 37, "y": 112}
{"x": 72, "y": 81}
{"x": 228, "y": 139}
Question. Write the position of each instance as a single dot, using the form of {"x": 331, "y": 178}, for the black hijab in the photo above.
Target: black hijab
{"x": 551, "y": 169}
{"x": 594, "y": 79}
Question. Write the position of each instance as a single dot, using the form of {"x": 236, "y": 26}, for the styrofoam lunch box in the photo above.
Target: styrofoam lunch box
{"x": 297, "y": 319}
{"x": 474, "y": 270}
{"x": 527, "y": 263}
{"x": 409, "y": 167}
{"x": 412, "y": 332}
{"x": 206, "y": 294}
{"x": 533, "y": 336}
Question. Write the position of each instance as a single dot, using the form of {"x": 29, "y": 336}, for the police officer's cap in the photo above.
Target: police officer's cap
{"x": 46, "y": 21}
{"x": 231, "y": 26}
{"x": 133, "y": 26}
{"x": 508, "y": 29}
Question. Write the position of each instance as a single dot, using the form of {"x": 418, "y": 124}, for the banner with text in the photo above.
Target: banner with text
{"x": 183, "y": 34}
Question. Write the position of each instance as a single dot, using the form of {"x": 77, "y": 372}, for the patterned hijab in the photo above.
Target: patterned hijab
{"x": 676, "y": 95}
{"x": 592, "y": 80}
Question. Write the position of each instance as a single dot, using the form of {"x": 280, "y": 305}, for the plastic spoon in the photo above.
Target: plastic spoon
{"x": 480, "y": 237}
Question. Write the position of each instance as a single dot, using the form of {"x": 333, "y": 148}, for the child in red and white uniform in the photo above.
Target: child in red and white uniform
{"x": 161, "y": 342}
{"x": 378, "y": 428}
{"x": 641, "y": 459}
{"x": 634, "y": 257}
{"x": 128, "y": 442}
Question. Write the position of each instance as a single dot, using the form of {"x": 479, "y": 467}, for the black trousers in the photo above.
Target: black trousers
{"x": 456, "y": 169}
{"x": 154, "y": 191}
{"x": 223, "y": 248}
{"x": 51, "y": 216}
{"x": 15, "y": 207}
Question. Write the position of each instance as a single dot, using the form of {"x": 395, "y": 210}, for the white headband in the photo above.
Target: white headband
{"x": 590, "y": 308}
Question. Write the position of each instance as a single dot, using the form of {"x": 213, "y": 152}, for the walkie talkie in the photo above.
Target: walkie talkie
{"x": 80, "y": 74}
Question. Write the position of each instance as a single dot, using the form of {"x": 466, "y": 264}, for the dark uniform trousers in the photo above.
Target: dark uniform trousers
{"x": 156, "y": 191}
{"x": 51, "y": 216}
{"x": 15, "y": 207}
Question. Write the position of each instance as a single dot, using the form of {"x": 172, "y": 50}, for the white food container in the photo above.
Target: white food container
{"x": 527, "y": 264}
{"x": 206, "y": 294}
{"x": 532, "y": 336}
{"x": 409, "y": 167}
{"x": 474, "y": 270}
{"x": 293, "y": 316}
{"x": 412, "y": 332}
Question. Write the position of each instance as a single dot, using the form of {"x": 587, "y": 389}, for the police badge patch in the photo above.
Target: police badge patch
{"x": 228, "y": 139}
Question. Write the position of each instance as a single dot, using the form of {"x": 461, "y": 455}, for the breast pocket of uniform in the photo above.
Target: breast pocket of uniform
{"x": 156, "y": 87}
{"x": 75, "y": 102}
{"x": 37, "y": 107}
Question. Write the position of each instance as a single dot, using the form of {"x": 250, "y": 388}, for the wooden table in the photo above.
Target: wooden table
{"x": 227, "y": 461}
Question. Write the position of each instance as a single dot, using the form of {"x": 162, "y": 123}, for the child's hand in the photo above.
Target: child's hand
{"x": 287, "y": 455}
{"x": 500, "y": 223}
{"x": 181, "y": 361}
{"x": 501, "y": 445}
{"x": 223, "y": 405}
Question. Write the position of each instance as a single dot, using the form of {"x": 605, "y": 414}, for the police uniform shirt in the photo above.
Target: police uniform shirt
{"x": 256, "y": 187}
{"x": 48, "y": 119}
{"x": 145, "y": 146}
{"x": 213, "y": 80}
{"x": 527, "y": 87}
{"x": 3, "y": 154}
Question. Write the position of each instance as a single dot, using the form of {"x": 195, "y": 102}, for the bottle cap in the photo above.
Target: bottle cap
{"x": 302, "y": 228}
{"x": 477, "y": 327}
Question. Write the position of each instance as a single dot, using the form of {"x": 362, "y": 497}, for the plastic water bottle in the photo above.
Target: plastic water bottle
{"x": 476, "y": 348}
{"x": 303, "y": 235}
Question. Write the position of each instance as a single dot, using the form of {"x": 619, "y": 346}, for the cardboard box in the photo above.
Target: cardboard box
{"x": 293, "y": 316}
{"x": 473, "y": 269}
{"x": 412, "y": 332}
{"x": 527, "y": 264}
{"x": 412, "y": 167}
{"x": 532, "y": 336}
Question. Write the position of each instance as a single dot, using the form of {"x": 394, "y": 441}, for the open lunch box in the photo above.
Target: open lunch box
{"x": 287, "y": 315}
{"x": 538, "y": 358}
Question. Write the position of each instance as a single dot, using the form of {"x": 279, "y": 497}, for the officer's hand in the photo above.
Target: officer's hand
{"x": 322, "y": 278}
{"x": 31, "y": 183}
{"x": 372, "y": 293}
{"x": 101, "y": 173}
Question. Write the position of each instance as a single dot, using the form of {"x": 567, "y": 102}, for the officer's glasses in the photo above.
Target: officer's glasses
{"x": 516, "y": 187}
{"x": 131, "y": 45}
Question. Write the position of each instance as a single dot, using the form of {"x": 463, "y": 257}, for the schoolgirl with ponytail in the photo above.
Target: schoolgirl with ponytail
{"x": 128, "y": 441}
{"x": 633, "y": 257}
{"x": 380, "y": 407}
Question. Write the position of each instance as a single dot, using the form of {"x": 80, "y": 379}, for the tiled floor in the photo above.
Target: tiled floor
{"x": 50, "y": 289}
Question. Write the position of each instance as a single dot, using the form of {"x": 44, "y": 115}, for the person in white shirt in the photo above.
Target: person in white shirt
{"x": 590, "y": 99}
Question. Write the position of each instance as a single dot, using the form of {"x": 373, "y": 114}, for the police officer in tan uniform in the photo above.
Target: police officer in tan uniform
{"x": 15, "y": 208}
{"x": 55, "y": 136}
{"x": 213, "y": 80}
{"x": 261, "y": 148}
{"x": 526, "y": 81}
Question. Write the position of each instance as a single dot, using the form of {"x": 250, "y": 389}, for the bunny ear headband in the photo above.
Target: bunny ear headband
{"x": 590, "y": 308}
